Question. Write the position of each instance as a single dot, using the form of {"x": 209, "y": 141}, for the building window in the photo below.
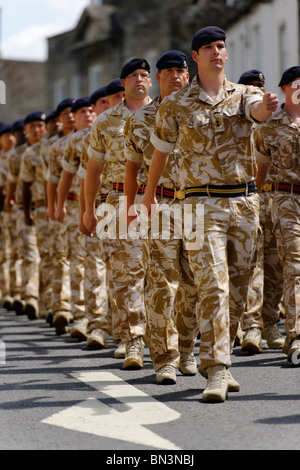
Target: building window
{"x": 75, "y": 87}
{"x": 59, "y": 92}
{"x": 283, "y": 53}
{"x": 95, "y": 77}
{"x": 257, "y": 49}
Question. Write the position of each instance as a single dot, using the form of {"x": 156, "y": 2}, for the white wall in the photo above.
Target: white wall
{"x": 266, "y": 39}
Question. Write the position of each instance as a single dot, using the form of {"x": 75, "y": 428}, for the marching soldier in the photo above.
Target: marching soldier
{"x": 61, "y": 284}
{"x": 277, "y": 144}
{"x": 210, "y": 120}
{"x": 128, "y": 257}
{"x": 168, "y": 271}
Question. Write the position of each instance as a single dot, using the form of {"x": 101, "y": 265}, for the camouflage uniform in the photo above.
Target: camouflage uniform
{"x": 10, "y": 284}
{"x": 32, "y": 172}
{"x": 70, "y": 239}
{"x": 128, "y": 257}
{"x": 266, "y": 287}
{"x": 26, "y": 235}
{"x": 169, "y": 279}
{"x": 96, "y": 301}
{"x": 213, "y": 140}
{"x": 278, "y": 141}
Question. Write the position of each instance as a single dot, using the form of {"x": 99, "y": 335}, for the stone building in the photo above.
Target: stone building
{"x": 23, "y": 87}
{"x": 110, "y": 32}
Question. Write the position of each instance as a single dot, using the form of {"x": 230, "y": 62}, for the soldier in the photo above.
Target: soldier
{"x": 10, "y": 285}
{"x": 165, "y": 278}
{"x": 84, "y": 116}
{"x": 14, "y": 199}
{"x": 114, "y": 93}
{"x": 31, "y": 174}
{"x": 266, "y": 287}
{"x": 277, "y": 144}
{"x": 210, "y": 120}
{"x": 128, "y": 257}
{"x": 61, "y": 289}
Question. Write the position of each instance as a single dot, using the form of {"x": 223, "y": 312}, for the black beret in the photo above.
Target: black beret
{"x": 251, "y": 75}
{"x": 50, "y": 116}
{"x": 290, "y": 75}
{"x": 100, "y": 93}
{"x": 206, "y": 36}
{"x": 83, "y": 102}
{"x": 114, "y": 87}
{"x": 6, "y": 129}
{"x": 17, "y": 125}
{"x": 35, "y": 116}
{"x": 132, "y": 65}
{"x": 66, "y": 103}
{"x": 172, "y": 59}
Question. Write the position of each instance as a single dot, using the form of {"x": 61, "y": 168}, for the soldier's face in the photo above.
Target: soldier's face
{"x": 137, "y": 84}
{"x": 7, "y": 141}
{"x": 172, "y": 79}
{"x": 84, "y": 117}
{"x": 67, "y": 119}
{"x": 115, "y": 98}
{"x": 35, "y": 131}
{"x": 211, "y": 56}
{"x": 101, "y": 105}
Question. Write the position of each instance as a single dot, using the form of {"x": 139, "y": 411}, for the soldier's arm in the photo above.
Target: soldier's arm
{"x": 92, "y": 183}
{"x": 64, "y": 187}
{"x": 131, "y": 187}
{"x": 27, "y": 202}
{"x": 51, "y": 199}
{"x": 157, "y": 167}
{"x": 11, "y": 191}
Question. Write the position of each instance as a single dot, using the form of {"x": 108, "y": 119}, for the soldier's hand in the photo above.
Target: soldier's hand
{"x": 270, "y": 101}
{"x": 149, "y": 206}
{"x": 90, "y": 221}
{"x": 60, "y": 214}
{"x": 29, "y": 220}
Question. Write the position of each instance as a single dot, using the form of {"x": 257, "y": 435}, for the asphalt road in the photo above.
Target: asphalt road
{"x": 58, "y": 395}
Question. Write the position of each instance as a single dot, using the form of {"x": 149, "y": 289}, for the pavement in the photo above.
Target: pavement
{"x": 55, "y": 394}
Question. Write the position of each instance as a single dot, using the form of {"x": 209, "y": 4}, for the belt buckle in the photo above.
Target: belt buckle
{"x": 267, "y": 187}
{"x": 179, "y": 194}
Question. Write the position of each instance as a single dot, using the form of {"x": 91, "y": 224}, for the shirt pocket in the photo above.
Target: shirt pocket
{"x": 194, "y": 133}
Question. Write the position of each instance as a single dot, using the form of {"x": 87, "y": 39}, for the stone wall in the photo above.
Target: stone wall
{"x": 25, "y": 88}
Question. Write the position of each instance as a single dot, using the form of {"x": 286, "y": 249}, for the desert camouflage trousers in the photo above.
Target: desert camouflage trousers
{"x": 171, "y": 295}
{"x": 11, "y": 254}
{"x": 286, "y": 220}
{"x": 60, "y": 269}
{"x": 266, "y": 286}
{"x": 96, "y": 297}
{"x": 29, "y": 253}
{"x": 75, "y": 253}
{"x": 46, "y": 263}
{"x": 5, "y": 251}
{"x": 128, "y": 264}
{"x": 221, "y": 253}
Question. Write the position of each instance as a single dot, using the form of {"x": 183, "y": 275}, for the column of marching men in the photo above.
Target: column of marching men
{"x": 72, "y": 183}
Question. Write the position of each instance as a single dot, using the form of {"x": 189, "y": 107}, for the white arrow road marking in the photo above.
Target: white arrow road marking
{"x": 94, "y": 417}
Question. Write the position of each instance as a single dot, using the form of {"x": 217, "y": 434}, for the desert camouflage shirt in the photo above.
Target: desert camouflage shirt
{"x": 277, "y": 141}
{"x": 213, "y": 136}
{"x": 72, "y": 156}
{"x": 57, "y": 153}
{"x": 139, "y": 149}
{"x": 107, "y": 142}
{"x": 14, "y": 165}
{"x": 3, "y": 171}
{"x": 32, "y": 171}
{"x": 105, "y": 187}
{"x": 45, "y": 153}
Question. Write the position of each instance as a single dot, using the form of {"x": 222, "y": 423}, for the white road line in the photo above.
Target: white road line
{"x": 95, "y": 417}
